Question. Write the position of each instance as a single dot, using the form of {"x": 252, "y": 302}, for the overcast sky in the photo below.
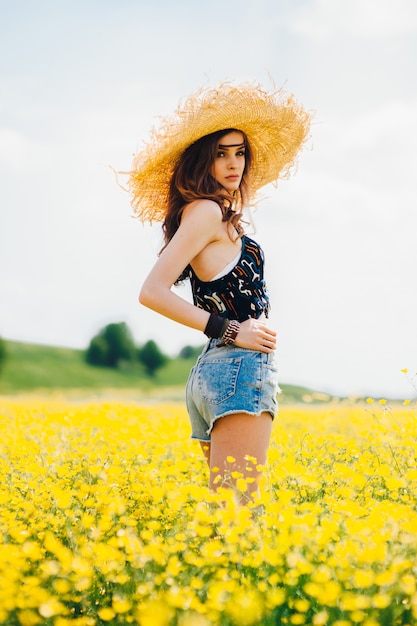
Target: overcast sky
{"x": 82, "y": 82}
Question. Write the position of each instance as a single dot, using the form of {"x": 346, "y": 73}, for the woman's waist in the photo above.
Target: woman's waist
{"x": 235, "y": 310}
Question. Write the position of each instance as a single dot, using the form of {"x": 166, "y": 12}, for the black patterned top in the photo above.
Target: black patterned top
{"x": 241, "y": 293}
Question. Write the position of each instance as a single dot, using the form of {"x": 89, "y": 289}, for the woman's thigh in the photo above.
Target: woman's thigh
{"x": 243, "y": 437}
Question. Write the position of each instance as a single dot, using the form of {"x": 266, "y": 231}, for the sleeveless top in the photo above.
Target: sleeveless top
{"x": 239, "y": 294}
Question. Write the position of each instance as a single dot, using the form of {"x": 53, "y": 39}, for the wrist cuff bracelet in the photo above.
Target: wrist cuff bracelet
{"x": 216, "y": 326}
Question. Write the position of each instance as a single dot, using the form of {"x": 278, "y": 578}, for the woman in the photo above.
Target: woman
{"x": 201, "y": 168}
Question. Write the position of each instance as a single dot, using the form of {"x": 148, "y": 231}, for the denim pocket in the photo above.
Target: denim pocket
{"x": 217, "y": 379}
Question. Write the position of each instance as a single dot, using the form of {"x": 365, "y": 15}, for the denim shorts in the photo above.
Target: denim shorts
{"x": 227, "y": 380}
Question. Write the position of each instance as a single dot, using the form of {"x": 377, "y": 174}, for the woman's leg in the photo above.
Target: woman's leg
{"x": 239, "y": 435}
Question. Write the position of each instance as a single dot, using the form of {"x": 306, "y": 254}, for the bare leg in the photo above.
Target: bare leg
{"x": 238, "y": 436}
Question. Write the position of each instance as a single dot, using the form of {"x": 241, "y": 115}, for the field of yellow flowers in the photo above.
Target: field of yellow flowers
{"x": 106, "y": 518}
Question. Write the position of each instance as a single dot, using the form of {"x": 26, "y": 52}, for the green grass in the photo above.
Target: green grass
{"x": 31, "y": 367}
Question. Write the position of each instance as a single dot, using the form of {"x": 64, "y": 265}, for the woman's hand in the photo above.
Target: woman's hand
{"x": 255, "y": 335}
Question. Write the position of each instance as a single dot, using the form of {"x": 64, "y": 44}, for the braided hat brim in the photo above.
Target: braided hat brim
{"x": 275, "y": 124}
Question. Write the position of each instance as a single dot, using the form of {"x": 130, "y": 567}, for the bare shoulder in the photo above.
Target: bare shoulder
{"x": 207, "y": 211}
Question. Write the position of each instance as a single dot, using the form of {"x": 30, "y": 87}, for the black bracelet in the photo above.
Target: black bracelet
{"x": 216, "y": 326}
{"x": 230, "y": 334}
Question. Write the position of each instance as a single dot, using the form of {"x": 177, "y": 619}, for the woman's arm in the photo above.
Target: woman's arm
{"x": 199, "y": 226}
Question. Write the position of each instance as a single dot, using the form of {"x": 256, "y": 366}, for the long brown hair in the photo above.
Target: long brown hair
{"x": 192, "y": 180}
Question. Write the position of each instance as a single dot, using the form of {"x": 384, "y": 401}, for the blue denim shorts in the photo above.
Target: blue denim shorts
{"x": 227, "y": 380}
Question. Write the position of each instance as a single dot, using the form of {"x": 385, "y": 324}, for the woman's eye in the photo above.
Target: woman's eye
{"x": 220, "y": 154}
{"x": 240, "y": 153}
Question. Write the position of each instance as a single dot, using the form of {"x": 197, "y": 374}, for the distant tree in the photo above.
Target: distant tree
{"x": 120, "y": 343}
{"x": 97, "y": 351}
{"x": 112, "y": 345}
{"x": 152, "y": 357}
{"x": 189, "y": 352}
{"x": 3, "y": 353}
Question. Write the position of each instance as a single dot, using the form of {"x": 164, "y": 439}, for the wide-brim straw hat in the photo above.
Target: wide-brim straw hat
{"x": 275, "y": 124}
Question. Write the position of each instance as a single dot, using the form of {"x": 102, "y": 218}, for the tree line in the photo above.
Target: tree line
{"x": 114, "y": 346}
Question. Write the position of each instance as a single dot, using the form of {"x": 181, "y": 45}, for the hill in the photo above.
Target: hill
{"x": 32, "y": 367}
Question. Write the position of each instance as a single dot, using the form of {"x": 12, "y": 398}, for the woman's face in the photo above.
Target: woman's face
{"x": 229, "y": 163}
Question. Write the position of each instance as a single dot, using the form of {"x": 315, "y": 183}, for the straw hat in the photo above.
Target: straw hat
{"x": 274, "y": 123}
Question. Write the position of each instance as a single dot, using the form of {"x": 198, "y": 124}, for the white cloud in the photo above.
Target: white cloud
{"x": 14, "y": 148}
{"x": 370, "y": 154}
{"x": 324, "y": 20}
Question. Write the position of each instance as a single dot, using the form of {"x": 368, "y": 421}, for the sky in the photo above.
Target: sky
{"x": 81, "y": 85}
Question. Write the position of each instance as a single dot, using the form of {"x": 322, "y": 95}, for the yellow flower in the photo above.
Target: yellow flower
{"x": 381, "y": 600}
{"x": 363, "y": 579}
{"x": 241, "y": 485}
{"x": 246, "y": 607}
{"x": 28, "y": 617}
{"x": 121, "y": 604}
{"x": 52, "y": 607}
{"x": 106, "y": 614}
{"x": 154, "y": 613}
{"x": 408, "y": 584}
{"x": 302, "y": 605}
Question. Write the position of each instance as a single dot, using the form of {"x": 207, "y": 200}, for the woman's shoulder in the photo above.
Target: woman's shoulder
{"x": 202, "y": 213}
{"x": 200, "y": 220}
{"x": 203, "y": 206}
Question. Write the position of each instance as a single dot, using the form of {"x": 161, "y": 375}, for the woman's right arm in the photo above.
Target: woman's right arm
{"x": 199, "y": 226}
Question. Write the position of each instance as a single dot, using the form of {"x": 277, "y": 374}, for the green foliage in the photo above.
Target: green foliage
{"x": 151, "y": 357}
{"x": 3, "y": 353}
{"x": 97, "y": 351}
{"x": 112, "y": 345}
{"x": 190, "y": 352}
